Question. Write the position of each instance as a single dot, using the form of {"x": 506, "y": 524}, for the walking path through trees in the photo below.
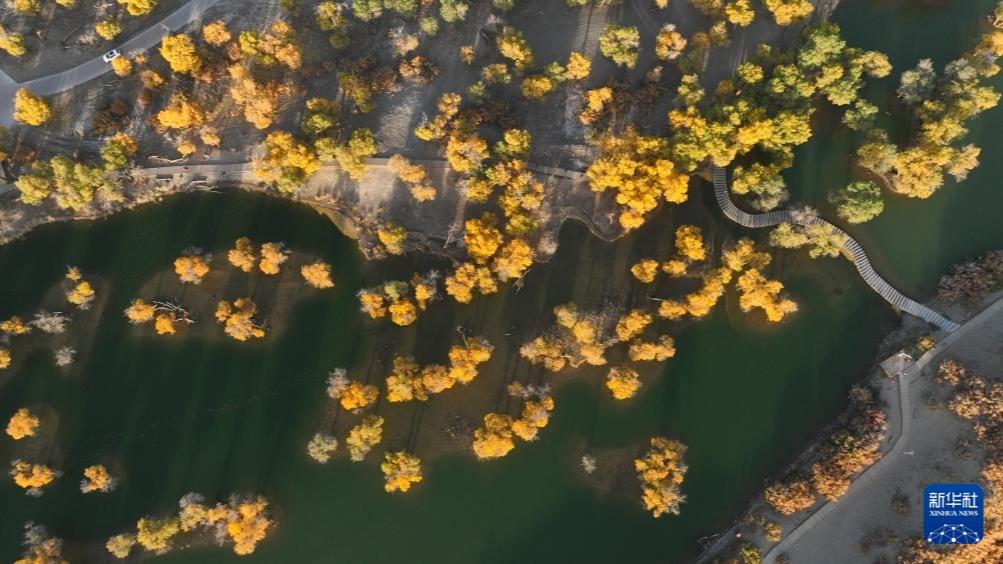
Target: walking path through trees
{"x": 55, "y": 83}
{"x": 859, "y": 487}
{"x": 242, "y": 172}
{"x": 850, "y": 246}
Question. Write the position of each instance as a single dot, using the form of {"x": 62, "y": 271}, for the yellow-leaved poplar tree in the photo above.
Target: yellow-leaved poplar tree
{"x": 238, "y": 319}
{"x": 139, "y": 312}
{"x": 30, "y": 109}
{"x": 179, "y": 51}
{"x": 494, "y": 438}
{"x": 191, "y": 268}
{"x": 364, "y": 436}
{"x": 623, "y": 382}
{"x": 139, "y": 7}
{"x": 97, "y": 479}
{"x": 22, "y": 424}
{"x": 400, "y": 471}
{"x": 242, "y": 254}
{"x": 272, "y": 257}
{"x": 661, "y": 472}
{"x": 317, "y": 274}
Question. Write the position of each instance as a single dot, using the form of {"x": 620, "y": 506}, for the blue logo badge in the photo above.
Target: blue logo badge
{"x": 952, "y": 513}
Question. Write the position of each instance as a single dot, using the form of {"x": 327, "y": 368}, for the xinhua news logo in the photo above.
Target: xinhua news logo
{"x": 952, "y": 513}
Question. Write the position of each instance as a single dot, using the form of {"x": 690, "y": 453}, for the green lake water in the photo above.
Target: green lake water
{"x": 184, "y": 415}
{"x": 914, "y": 241}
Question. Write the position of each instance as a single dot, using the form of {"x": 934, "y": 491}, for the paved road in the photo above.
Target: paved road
{"x": 852, "y": 248}
{"x": 244, "y": 169}
{"x": 906, "y": 378}
{"x": 55, "y": 83}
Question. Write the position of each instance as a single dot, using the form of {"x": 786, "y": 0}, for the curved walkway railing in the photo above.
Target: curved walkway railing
{"x": 852, "y": 248}
{"x": 216, "y": 171}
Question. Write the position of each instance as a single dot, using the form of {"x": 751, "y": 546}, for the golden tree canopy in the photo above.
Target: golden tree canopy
{"x": 247, "y": 524}
{"x": 30, "y": 476}
{"x": 120, "y": 546}
{"x": 494, "y": 439}
{"x": 97, "y": 479}
{"x": 661, "y": 472}
{"x": 238, "y": 319}
{"x": 31, "y": 109}
{"x": 139, "y": 7}
{"x": 400, "y": 471}
{"x": 639, "y": 170}
{"x": 623, "y": 382}
{"x": 216, "y": 33}
{"x": 242, "y": 254}
{"x": 759, "y": 292}
{"x": 482, "y": 237}
{"x": 690, "y": 244}
{"x": 14, "y": 326}
{"x": 164, "y": 324}
{"x": 22, "y": 424}
{"x": 356, "y": 395}
{"x": 155, "y": 534}
{"x": 180, "y": 113}
{"x": 645, "y": 270}
{"x": 272, "y": 257}
{"x": 191, "y": 269}
{"x": 317, "y": 274}
{"x": 179, "y": 51}
{"x": 364, "y": 436}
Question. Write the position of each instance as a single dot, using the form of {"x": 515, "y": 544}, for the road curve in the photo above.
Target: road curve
{"x": 853, "y": 250}
{"x": 55, "y": 83}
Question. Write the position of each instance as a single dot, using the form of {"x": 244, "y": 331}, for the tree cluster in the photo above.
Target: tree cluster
{"x": 640, "y": 171}
{"x": 661, "y": 471}
{"x": 579, "y": 338}
{"x": 400, "y": 471}
{"x": 401, "y": 300}
{"x": 942, "y": 106}
{"x": 496, "y": 437}
{"x": 821, "y": 239}
{"x": 852, "y": 447}
{"x": 765, "y": 110}
{"x": 39, "y": 547}
{"x": 242, "y": 522}
{"x": 408, "y": 381}
{"x": 972, "y": 281}
{"x": 978, "y": 402}
{"x": 353, "y": 395}
{"x": 237, "y": 319}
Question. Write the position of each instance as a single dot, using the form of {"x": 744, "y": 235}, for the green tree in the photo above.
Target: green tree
{"x": 859, "y": 201}
{"x": 620, "y": 44}
{"x": 821, "y": 239}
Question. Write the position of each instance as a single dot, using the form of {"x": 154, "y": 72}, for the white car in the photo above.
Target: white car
{"x": 111, "y": 55}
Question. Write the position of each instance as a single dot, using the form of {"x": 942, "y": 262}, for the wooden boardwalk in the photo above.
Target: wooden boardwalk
{"x": 242, "y": 171}
{"x": 853, "y": 250}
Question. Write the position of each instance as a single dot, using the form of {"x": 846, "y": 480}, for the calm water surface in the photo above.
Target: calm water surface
{"x": 914, "y": 241}
{"x": 189, "y": 416}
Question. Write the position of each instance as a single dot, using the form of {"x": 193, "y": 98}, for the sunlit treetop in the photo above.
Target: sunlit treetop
{"x": 22, "y": 424}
